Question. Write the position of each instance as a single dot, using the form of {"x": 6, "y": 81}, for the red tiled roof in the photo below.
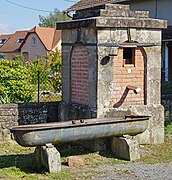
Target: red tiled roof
{"x": 11, "y": 44}
{"x": 83, "y": 4}
{"x": 49, "y": 36}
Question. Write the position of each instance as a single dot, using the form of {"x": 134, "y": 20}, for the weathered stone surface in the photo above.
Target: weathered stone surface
{"x": 125, "y": 148}
{"x": 48, "y": 157}
{"x": 130, "y": 22}
{"x": 114, "y": 22}
{"x": 75, "y": 161}
{"x": 155, "y": 131}
{"x": 107, "y": 16}
{"x": 74, "y": 111}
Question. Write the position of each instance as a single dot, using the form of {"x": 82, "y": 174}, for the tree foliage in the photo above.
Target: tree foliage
{"x": 19, "y": 58}
{"x": 15, "y": 82}
{"x": 52, "y": 19}
{"x": 55, "y": 65}
{"x": 19, "y": 81}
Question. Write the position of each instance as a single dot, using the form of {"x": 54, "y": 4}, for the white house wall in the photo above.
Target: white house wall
{"x": 34, "y": 50}
{"x": 160, "y": 9}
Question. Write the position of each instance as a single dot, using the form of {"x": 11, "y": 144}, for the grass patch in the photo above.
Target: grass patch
{"x": 17, "y": 162}
{"x": 152, "y": 154}
{"x": 91, "y": 159}
{"x": 168, "y": 129}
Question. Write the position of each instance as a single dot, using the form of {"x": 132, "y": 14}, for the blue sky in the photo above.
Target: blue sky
{"x": 13, "y": 17}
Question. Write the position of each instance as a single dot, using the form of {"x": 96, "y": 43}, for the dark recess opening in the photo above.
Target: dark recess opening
{"x": 128, "y": 56}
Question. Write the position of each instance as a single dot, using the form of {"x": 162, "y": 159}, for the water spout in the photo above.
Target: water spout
{"x": 134, "y": 88}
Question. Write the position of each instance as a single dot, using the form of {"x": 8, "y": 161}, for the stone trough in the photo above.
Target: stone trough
{"x": 44, "y": 135}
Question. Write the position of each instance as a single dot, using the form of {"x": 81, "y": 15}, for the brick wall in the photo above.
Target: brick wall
{"x": 79, "y": 75}
{"x": 128, "y": 74}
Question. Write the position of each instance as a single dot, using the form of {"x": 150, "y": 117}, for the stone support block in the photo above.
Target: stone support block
{"x": 48, "y": 157}
{"x": 125, "y": 148}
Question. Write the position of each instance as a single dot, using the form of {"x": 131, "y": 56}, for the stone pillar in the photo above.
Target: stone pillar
{"x": 124, "y": 48}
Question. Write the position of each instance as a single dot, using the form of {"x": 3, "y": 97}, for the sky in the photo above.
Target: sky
{"x": 13, "y": 16}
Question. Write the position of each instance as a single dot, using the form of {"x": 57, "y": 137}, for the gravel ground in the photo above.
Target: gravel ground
{"x": 135, "y": 171}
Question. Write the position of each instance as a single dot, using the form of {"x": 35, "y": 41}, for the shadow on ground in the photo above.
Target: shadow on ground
{"x": 25, "y": 162}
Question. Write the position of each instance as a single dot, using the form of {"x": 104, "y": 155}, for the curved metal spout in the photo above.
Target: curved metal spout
{"x": 134, "y": 88}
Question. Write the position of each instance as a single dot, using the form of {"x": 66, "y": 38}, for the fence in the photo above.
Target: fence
{"x": 48, "y": 87}
{"x": 28, "y": 83}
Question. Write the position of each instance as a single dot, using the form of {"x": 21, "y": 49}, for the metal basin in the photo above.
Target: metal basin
{"x": 87, "y": 129}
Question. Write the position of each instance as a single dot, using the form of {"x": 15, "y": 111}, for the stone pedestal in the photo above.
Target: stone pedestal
{"x": 47, "y": 156}
{"x": 125, "y": 148}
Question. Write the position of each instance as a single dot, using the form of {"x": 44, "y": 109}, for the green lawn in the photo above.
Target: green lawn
{"x": 18, "y": 162}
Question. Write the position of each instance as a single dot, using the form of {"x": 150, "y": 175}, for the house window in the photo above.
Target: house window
{"x": 33, "y": 41}
{"x": 129, "y": 56}
{"x": 2, "y": 41}
{"x": 19, "y": 41}
{"x": 38, "y": 56}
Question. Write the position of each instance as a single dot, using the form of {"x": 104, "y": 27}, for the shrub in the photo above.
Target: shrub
{"x": 55, "y": 69}
{"x": 15, "y": 81}
{"x": 19, "y": 59}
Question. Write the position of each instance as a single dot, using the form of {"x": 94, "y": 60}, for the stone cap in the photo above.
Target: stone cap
{"x": 111, "y": 22}
{"x": 112, "y": 16}
{"x": 110, "y": 10}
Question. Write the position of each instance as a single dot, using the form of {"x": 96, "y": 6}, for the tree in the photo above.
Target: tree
{"x": 52, "y": 19}
{"x": 55, "y": 65}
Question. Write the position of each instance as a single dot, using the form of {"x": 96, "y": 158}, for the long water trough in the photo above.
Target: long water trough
{"x": 44, "y": 136}
{"x": 41, "y": 134}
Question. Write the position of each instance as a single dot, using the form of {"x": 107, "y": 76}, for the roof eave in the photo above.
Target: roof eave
{"x": 93, "y": 5}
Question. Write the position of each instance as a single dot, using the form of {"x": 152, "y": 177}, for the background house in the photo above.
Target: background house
{"x": 31, "y": 44}
{"x": 40, "y": 41}
{"x": 10, "y": 44}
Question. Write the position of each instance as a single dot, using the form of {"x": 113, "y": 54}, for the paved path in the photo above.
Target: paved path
{"x": 135, "y": 171}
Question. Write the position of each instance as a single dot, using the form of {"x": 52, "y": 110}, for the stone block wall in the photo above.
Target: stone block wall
{"x": 8, "y": 118}
{"x": 25, "y": 113}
